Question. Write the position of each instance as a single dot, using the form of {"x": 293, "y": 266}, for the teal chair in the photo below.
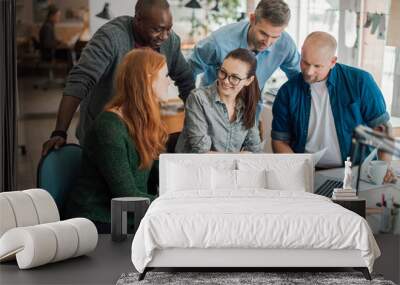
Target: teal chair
{"x": 58, "y": 172}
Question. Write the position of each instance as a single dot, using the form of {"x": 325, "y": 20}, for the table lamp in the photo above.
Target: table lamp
{"x": 105, "y": 13}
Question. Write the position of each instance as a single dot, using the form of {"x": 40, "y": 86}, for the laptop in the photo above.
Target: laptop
{"x": 326, "y": 180}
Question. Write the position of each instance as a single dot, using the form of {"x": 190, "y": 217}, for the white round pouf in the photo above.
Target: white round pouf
{"x": 46, "y": 208}
{"x": 23, "y": 208}
{"x": 7, "y": 218}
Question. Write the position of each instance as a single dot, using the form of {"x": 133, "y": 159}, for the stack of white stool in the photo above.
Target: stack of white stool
{"x": 31, "y": 230}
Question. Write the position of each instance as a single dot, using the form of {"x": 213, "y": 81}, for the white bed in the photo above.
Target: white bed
{"x": 218, "y": 210}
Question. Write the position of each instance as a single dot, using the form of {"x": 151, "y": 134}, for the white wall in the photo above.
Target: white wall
{"x": 117, "y": 7}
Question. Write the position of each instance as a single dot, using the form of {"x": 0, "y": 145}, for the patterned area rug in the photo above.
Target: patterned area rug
{"x": 243, "y": 278}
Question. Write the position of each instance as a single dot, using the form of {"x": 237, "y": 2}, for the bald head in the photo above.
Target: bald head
{"x": 321, "y": 42}
{"x": 318, "y": 56}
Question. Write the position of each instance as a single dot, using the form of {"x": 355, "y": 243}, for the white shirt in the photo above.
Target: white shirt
{"x": 321, "y": 127}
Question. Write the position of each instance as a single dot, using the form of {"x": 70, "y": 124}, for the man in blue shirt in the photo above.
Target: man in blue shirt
{"x": 320, "y": 107}
{"x": 263, "y": 34}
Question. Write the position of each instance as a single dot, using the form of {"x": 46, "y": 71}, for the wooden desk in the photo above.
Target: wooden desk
{"x": 64, "y": 31}
{"x": 174, "y": 122}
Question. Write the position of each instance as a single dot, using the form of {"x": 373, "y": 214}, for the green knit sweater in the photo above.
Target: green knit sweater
{"x": 110, "y": 168}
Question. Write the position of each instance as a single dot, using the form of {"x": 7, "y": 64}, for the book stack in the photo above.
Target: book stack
{"x": 344, "y": 194}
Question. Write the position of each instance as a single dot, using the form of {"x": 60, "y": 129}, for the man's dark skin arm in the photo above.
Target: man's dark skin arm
{"x": 66, "y": 111}
{"x": 95, "y": 58}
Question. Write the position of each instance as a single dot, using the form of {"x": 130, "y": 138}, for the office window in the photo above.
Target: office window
{"x": 388, "y": 75}
{"x": 307, "y": 16}
{"x": 313, "y": 15}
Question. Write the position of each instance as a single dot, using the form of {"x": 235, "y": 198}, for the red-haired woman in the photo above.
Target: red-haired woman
{"x": 120, "y": 148}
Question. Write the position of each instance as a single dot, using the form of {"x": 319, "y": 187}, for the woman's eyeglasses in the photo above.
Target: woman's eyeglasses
{"x": 232, "y": 79}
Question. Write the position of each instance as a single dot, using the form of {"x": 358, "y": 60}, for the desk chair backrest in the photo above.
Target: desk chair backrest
{"x": 35, "y": 43}
{"x": 171, "y": 142}
{"x": 58, "y": 171}
{"x": 46, "y": 55}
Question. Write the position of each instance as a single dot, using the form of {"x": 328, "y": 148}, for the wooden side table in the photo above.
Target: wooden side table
{"x": 357, "y": 206}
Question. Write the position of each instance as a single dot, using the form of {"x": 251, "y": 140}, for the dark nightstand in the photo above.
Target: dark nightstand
{"x": 357, "y": 206}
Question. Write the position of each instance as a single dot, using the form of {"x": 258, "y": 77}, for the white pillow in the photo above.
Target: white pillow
{"x": 188, "y": 177}
{"x": 228, "y": 179}
{"x": 223, "y": 179}
{"x": 251, "y": 178}
{"x": 293, "y": 179}
{"x": 281, "y": 174}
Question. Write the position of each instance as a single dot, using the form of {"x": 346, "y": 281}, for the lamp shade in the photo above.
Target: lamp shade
{"x": 241, "y": 17}
{"x": 105, "y": 13}
{"x": 216, "y": 7}
{"x": 194, "y": 4}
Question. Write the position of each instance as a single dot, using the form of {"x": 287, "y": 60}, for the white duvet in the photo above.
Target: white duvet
{"x": 253, "y": 218}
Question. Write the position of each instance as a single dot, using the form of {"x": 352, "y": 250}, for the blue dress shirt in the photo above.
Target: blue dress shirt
{"x": 210, "y": 52}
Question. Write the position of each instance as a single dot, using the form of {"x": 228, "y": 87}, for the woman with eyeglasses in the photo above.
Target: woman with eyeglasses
{"x": 221, "y": 117}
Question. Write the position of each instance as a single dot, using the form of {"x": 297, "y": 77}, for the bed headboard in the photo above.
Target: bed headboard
{"x": 276, "y": 162}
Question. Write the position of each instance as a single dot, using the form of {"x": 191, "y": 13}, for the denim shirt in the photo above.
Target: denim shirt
{"x": 210, "y": 52}
{"x": 207, "y": 126}
{"x": 355, "y": 99}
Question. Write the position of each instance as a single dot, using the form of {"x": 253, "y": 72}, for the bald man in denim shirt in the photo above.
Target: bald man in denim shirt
{"x": 320, "y": 108}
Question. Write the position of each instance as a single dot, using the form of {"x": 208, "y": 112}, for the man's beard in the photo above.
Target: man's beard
{"x": 310, "y": 79}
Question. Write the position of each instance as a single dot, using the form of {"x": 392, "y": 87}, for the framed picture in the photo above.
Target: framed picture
{"x": 40, "y": 10}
